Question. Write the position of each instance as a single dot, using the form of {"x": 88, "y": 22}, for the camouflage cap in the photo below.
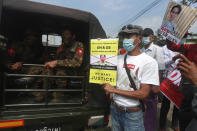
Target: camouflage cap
{"x": 131, "y": 29}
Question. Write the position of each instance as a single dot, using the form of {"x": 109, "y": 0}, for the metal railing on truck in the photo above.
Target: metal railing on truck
{"x": 46, "y": 89}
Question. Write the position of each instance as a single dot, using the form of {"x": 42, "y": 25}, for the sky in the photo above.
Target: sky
{"x": 113, "y": 14}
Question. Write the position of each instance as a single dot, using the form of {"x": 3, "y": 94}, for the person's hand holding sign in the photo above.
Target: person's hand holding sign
{"x": 108, "y": 88}
{"x": 187, "y": 68}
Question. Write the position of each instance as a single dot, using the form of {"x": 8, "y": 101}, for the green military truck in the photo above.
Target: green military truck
{"x": 84, "y": 105}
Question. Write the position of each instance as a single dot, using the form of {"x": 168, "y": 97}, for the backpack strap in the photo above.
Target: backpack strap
{"x": 132, "y": 83}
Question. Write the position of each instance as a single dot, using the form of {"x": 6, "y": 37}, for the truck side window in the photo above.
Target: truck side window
{"x": 54, "y": 40}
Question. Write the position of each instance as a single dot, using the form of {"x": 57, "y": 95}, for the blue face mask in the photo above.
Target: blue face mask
{"x": 145, "y": 40}
{"x": 128, "y": 44}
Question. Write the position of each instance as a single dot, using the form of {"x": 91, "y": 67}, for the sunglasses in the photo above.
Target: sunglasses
{"x": 129, "y": 27}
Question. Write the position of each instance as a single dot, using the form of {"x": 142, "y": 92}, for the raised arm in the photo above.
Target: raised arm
{"x": 181, "y": 47}
{"x": 174, "y": 47}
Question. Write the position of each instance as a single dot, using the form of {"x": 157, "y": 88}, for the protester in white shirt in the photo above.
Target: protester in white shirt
{"x": 126, "y": 113}
{"x": 151, "y": 49}
{"x": 150, "y": 118}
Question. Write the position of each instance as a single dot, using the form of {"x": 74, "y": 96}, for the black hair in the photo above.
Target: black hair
{"x": 147, "y": 32}
{"x": 67, "y": 30}
{"x": 177, "y": 6}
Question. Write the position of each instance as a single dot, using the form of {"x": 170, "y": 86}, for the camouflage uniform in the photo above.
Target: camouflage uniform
{"x": 67, "y": 59}
{"x": 35, "y": 70}
{"x": 71, "y": 57}
{"x": 29, "y": 51}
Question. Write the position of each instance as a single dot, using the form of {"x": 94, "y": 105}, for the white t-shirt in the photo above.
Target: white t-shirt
{"x": 144, "y": 67}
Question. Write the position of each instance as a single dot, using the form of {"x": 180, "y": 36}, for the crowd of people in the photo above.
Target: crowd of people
{"x": 135, "y": 98}
{"x": 139, "y": 74}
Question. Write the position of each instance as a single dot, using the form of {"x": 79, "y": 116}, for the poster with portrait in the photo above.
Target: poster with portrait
{"x": 177, "y": 21}
{"x": 103, "y": 61}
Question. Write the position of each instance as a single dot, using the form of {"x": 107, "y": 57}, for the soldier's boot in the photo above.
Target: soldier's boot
{"x": 58, "y": 97}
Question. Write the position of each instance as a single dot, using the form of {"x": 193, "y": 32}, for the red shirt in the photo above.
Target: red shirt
{"x": 189, "y": 50}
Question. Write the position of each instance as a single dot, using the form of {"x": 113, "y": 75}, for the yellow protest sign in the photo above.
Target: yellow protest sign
{"x": 103, "y": 61}
{"x": 103, "y": 76}
{"x": 104, "y": 47}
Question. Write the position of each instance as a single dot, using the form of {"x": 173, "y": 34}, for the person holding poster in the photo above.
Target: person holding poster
{"x": 137, "y": 72}
{"x": 189, "y": 70}
{"x": 170, "y": 24}
{"x": 187, "y": 88}
{"x": 165, "y": 106}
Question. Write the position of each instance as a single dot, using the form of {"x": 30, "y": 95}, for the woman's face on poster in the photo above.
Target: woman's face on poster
{"x": 174, "y": 13}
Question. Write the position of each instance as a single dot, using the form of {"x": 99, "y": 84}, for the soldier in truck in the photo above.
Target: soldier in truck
{"x": 69, "y": 57}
